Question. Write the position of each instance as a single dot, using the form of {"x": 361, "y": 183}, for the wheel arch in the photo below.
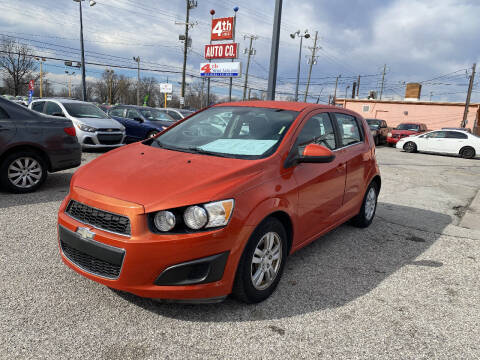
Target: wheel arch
{"x": 467, "y": 147}
{"x": 27, "y": 147}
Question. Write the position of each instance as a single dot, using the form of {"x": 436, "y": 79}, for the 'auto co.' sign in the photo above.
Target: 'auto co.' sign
{"x": 221, "y": 51}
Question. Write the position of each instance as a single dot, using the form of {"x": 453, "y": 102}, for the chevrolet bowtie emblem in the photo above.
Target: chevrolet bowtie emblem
{"x": 85, "y": 233}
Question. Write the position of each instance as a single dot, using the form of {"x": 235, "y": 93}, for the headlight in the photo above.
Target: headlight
{"x": 164, "y": 220}
{"x": 195, "y": 217}
{"x": 219, "y": 212}
{"x": 389, "y": 134}
{"x": 86, "y": 128}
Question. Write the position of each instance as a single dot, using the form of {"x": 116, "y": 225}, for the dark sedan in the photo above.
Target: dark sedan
{"x": 31, "y": 145}
{"x": 141, "y": 122}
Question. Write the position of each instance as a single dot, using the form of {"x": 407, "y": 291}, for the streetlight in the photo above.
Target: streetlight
{"x": 41, "y": 61}
{"x": 345, "y": 98}
{"x": 110, "y": 84}
{"x": 84, "y": 86}
{"x": 137, "y": 60}
{"x": 69, "y": 79}
{"x": 305, "y": 35}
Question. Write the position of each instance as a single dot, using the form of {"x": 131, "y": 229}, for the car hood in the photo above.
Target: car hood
{"x": 404, "y": 132}
{"x": 99, "y": 123}
{"x": 161, "y": 179}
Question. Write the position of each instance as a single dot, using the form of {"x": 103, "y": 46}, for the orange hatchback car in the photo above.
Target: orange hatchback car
{"x": 215, "y": 204}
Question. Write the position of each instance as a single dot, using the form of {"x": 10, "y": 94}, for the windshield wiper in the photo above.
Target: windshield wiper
{"x": 199, "y": 150}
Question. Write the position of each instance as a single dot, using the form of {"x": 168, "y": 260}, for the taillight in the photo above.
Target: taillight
{"x": 70, "y": 131}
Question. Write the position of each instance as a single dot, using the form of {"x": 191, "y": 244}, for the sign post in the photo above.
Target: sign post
{"x": 166, "y": 88}
{"x": 222, "y": 29}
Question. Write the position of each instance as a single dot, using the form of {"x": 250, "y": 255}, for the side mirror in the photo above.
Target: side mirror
{"x": 60, "y": 114}
{"x": 140, "y": 120}
{"x": 314, "y": 153}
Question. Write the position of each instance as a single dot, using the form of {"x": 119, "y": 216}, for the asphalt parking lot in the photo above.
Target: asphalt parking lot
{"x": 406, "y": 287}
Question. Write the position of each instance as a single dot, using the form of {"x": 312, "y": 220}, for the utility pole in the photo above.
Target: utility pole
{"x": 358, "y": 85}
{"x": 469, "y": 94}
{"x": 312, "y": 61}
{"x": 137, "y": 59}
{"x": 335, "y": 93}
{"x": 272, "y": 74}
{"x": 249, "y": 93}
{"x": 84, "y": 86}
{"x": 354, "y": 87}
{"x": 230, "y": 85}
{"x": 110, "y": 85}
{"x": 383, "y": 81}
{"x": 250, "y": 52}
{"x": 191, "y": 4}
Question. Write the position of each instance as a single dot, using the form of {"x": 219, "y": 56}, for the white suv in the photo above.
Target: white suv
{"x": 94, "y": 128}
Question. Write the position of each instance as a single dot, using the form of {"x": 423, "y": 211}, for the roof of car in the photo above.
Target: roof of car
{"x": 62, "y": 100}
{"x": 284, "y": 105}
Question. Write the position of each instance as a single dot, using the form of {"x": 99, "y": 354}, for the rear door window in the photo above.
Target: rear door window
{"x": 350, "y": 132}
{"x": 176, "y": 116}
{"x": 38, "y": 106}
{"x": 456, "y": 135}
{"x": 52, "y": 108}
{"x": 117, "y": 112}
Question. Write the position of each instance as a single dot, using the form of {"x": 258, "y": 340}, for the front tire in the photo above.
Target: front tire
{"x": 368, "y": 209}
{"x": 410, "y": 147}
{"x": 262, "y": 262}
{"x": 23, "y": 172}
{"x": 467, "y": 152}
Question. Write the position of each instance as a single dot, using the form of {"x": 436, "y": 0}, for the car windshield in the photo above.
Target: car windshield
{"x": 155, "y": 115}
{"x": 413, "y": 127}
{"x": 245, "y": 133}
{"x": 374, "y": 124}
{"x": 83, "y": 110}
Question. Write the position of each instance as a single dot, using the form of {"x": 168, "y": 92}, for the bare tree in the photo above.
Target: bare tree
{"x": 17, "y": 65}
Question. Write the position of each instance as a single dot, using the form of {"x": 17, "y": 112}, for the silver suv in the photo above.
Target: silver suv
{"x": 94, "y": 128}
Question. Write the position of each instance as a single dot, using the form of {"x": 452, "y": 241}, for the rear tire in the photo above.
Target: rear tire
{"x": 368, "y": 209}
{"x": 467, "y": 152}
{"x": 410, "y": 147}
{"x": 262, "y": 262}
{"x": 23, "y": 172}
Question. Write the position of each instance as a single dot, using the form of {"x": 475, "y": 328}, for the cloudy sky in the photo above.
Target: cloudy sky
{"x": 430, "y": 41}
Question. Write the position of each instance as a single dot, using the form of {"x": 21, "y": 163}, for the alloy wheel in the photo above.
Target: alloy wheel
{"x": 266, "y": 261}
{"x": 370, "y": 203}
{"x": 25, "y": 172}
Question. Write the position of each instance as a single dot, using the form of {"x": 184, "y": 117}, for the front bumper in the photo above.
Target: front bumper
{"x": 190, "y": 266}
{"x": 100, "y": 139}
{"x": 392, "y": 140}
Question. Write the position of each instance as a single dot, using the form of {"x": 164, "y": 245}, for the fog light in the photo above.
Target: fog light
{"x": 164, "y": 220}
{"x": 195, "y": 217}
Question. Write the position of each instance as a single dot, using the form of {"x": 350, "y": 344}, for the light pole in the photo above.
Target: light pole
{"x": 345, "y": 98}
{"x": 84, "y": 86}
{"x": 110, "y": 84}
{"x": 137, "y": 59}
{"x": 41, "y": 61}
{"x": 272, "y": 73}
{"x": 69, "y": 80}
{"x": 305, "y": 35}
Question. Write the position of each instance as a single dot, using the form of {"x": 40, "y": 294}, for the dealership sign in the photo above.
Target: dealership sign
{"x": 226, "y": 69}
{"x": 221, "y": 51}
{"x": 222, "y": 28}
{"x": 166, "y": 88}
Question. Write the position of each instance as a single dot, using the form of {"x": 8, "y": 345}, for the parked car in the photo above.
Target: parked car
{"x": 31, "y": 145}
{"x": 140, "y": 122}
{"x": 177, "y": 114}
{"x": 189, "y": 215}
{"x": 404, "y": 130}
{"x": 379, "y": 130}
{"x": 455, "y": 142}
{"x": 94, "y": 128}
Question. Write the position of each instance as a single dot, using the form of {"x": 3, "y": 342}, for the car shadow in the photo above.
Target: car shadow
{"x": 54, "y": 188}
{"x": 338, "y": 268}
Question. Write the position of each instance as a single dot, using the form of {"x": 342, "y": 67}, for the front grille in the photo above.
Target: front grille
{"x": 109, "y": 139}
{"x": 90, "y": 263}
{"x": 109, "y": 130}
{"x": 98, "y": 218}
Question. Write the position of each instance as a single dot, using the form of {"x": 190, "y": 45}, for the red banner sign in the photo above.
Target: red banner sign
{"x": 221, "y": 51}
{"x": 222, "y": 28}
